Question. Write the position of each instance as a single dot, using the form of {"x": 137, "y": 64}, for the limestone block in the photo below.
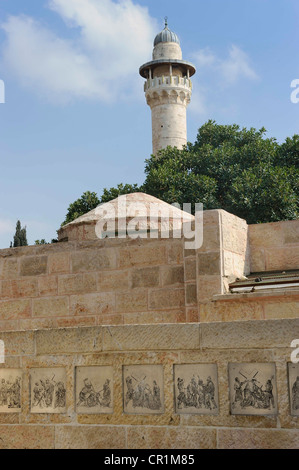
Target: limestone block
{"x": 151, "y": 337}
{"x": 9, "y": 268}
{"x": 59, "y": 263}
{"x": 266, "y": 235}
{"x": 116, "y": 319}
{"x": 207, "y": 286}
{"x": 19, "y": 288}
{"x": 166, "y": 298}
{"x": 290, "y": 231}
{"x": 133, "y": 301}
{"x": 257, "y": 259}
{"x": 282, "y": 258}
{"x": 258, "y": 439}
{"x": 176, "y": 253}
{"x": 90, "y": 437}
{"x": 68, "y": 322}
{"x": 33, "y": 265}
{"x": 113, "y": 280}
{"x": 166, "y": 437}
{"x": 145, "y": 277}
{"x": 26, "y": 437}
{"x": 77, "y": 283}
{"x": 172, "y": 275}
{"x": 48, "y": 285}
{"x": 227, "y": 311}
{"x": 92, "y": 304}
{"x": 192, "y": 314}
{"x": 162, "y": 316}
{"x": 52, "y": 306}
{"x": 281, "y": 309}
{"x": 154, "y": 254}
{"x": 69, "y": 340}
{"x": 93, "y": 260}
{"x": 15, "y": 309}
{"x": 191, "y": 294}
{"x": 18, "y": 342}
{"x": 208, "y": 263}
{"x": 249, "y": 334}
{"x": 211, "y": 237}
{"x": 190, "y": 269}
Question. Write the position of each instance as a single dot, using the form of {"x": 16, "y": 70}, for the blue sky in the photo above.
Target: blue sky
{"x": 75, "y": 116}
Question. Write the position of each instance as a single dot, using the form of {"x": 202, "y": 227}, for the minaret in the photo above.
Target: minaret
{"x": 168, "y": 90}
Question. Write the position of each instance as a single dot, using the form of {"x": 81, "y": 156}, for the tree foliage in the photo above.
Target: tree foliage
{"x": 20, "y": 236}
{"x": 236, "y": 169}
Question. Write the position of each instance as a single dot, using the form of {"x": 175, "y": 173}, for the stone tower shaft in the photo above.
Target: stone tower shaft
{"x": 168, "y": 91}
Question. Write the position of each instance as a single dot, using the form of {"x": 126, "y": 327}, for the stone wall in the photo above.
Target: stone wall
{"x": 88, "y": 282}
{"x": 116, "y": 346}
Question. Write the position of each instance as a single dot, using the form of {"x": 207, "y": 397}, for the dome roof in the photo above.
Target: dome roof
{"x": 166, "y": 36}
{"x": 134, "y": 206}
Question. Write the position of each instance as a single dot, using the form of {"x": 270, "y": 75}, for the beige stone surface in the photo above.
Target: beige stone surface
{"x": 19, "y": 288}
{"x": 52, "y": 306}
{"x": 207, "y": 287}
{"x": 90, "y": 437}
{"x": 249, "y": 334}
{"x": 191, "y": 294}
{"x": 59, "y": 263}
{"x": 33, "y": 265}
{"x": 153, "y": 254}
{"x": 14, "y": 309}
{"x": 166, "y": 298}
{"x": 26, "y": 437}
{"x": 113, "y": 280}
{"x": 9, "y": 268}
{"x": 68, "y": 340}
{"x": 18, "y": 342}
{"x": 92, "y": 304}
{"x": 145, "y": 277}
{"x": 133, "y": 301}
{"x": 77, "y": 284}
{"x": 155, "y": 437}
{"x": 257, "y": 439}
{"x": 151, "y": 337}
{"x": 208, "y": 263}
{"x": 48, "y": 285}
{"x": 93, "y": 260}
{"x": 190, "y": 269}
{"x": 172, "y": 275}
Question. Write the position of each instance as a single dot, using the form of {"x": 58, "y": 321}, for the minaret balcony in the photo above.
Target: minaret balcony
{"x": 168, "y": 81}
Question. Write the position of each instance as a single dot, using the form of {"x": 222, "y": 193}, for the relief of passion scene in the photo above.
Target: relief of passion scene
{"x": 10, "y": 390}
{"x": 94, "y": 389}
{"x": 196, "y": 389}
{"x": 252, "y": 388}
{"x": 293, "y": 376}
{"x": 143, "y": 389}
{"x": 48, "y": 390}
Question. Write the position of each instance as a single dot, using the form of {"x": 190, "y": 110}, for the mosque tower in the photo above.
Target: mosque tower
{"x": 168, "y": 90}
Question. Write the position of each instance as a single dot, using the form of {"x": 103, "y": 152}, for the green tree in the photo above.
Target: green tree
{"x": 85, "y": 203}
{"x": 236, "y": 169}
{"x": 20, "y": 236}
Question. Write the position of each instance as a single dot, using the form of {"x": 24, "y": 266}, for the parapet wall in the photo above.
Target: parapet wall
{"x": 88, "y": 282}
{"x": 220, "y": 344}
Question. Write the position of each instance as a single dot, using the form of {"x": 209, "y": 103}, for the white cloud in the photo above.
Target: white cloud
{"x": 231, "y": 69}
{"x": 112, "y": 40}
{"x": 237, "y": 66}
